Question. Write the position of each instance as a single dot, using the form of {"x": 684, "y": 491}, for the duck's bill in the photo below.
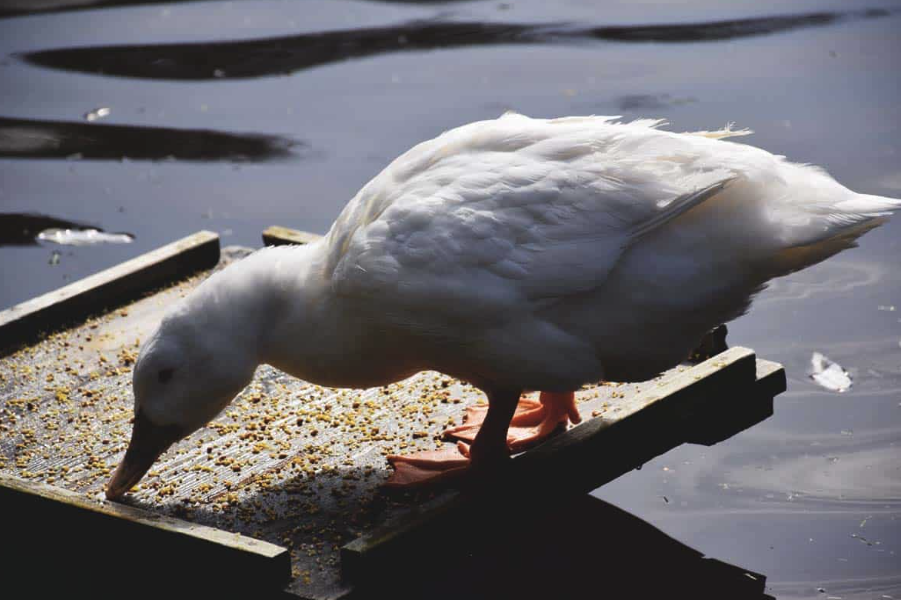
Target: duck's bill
{"x": 148, "y": 441}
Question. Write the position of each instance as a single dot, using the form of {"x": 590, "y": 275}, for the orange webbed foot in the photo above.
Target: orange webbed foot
{"x": 428, "y": 468}
{"x": 528, "y": 413}
{"x": 532, "y": 422}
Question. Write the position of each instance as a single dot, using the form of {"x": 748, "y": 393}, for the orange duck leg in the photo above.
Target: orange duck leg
{"x": 532, "y": 422}
{"x": 509, "y": 423}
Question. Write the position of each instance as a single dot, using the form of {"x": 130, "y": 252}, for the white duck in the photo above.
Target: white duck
{"x": 516, "y": 254}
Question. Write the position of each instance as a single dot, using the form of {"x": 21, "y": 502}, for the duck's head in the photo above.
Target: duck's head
{"x": 186, "y": 373}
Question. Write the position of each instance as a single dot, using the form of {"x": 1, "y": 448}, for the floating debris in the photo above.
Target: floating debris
{"x": 83, "y": 237}
{"x": 829, "y": 374}
{"x": 647, "y": 102}
{"x": 97, "y": 113}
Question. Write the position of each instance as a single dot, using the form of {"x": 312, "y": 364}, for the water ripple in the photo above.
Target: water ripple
{"x": 842, "y": 472}
{"x": 831, "y": 278}
{"x": 28, "y": 138}
{"x": 282, "y": 55}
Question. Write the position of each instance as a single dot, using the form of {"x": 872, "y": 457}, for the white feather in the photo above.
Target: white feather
{"x": 536, "y": 254}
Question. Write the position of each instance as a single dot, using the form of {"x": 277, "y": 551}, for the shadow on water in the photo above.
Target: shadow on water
{"x": 26, "y": 138}
{"x": 15, "y": 8}
{"x": 282, "y": 55}
{"x": 21, "y": 229}
{"x": 565, "y": 549}
{"x": 639, "y": 102}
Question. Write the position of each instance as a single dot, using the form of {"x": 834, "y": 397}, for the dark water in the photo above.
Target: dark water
{"x": 233, "y": 116}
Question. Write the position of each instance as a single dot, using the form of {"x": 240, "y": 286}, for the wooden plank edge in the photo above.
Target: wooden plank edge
{"x": 34, "y": 510}
{"x": 687, "y": 390}
{"x": 356, "y": 553}
{"x": 360, "y": 557}
{"x": 724, "y": 418}
{"x": 135, "y": 514}
{"x": 771, "y": 375}
{"x": 281, "y": 236}
{"x": 26, "y": 322}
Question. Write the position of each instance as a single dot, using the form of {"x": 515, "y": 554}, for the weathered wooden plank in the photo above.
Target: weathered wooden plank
{"x": 642, "y": 426}
{"x": 280, "y": 236}
{"x": 116, "y": 543}
{"x": 73, "y": 303}
{"x": 721, "y": 419}
{"x": 770, "y": 377}
{"x": 583, "y": 458}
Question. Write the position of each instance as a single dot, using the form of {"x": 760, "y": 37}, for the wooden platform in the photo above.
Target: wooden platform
{"x": 292, "y": 470}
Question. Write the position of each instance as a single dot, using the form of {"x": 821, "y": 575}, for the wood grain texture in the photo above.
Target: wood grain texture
{"x": 28, "y": 321}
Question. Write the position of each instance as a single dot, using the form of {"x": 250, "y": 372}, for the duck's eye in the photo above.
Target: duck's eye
{"x": 165, "y": 375}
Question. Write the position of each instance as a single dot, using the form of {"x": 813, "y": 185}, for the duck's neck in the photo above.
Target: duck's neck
{"x": 278, "y": 303}
{"x": 251, "y": 302}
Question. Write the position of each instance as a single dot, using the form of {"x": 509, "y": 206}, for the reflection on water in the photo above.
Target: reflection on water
{"x": 282, "y": 55}
{"x": 864, "y": 588}
{"x": 578, "y": 548}
{"x": 26, "y": 138}
{"x": 847, "y": 475}
{"x": 651, "y": 102}
{"x": 827, "y": 278}
{"x": 852, "y": 471}
{"x": 83, "y": 237}
{"x": 22, "y": 229}
{"x": 10, "y": 8}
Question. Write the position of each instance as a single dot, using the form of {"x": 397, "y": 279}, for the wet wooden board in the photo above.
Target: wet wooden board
{"x": 36, "y": 515}
{"x": 289, "y": 463}
{"x": 27, "y": 321}
{"x": 622, "y": 437}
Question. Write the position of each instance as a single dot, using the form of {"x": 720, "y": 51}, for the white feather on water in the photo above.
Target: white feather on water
{"x": 829, "y": 373}
{"x": 83, "y": 237}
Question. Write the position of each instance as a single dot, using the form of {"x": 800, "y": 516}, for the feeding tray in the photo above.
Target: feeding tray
{"x": 281, "y": 493}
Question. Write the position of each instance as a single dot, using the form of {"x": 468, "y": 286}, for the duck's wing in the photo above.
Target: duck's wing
{"x": 501, "y": 215}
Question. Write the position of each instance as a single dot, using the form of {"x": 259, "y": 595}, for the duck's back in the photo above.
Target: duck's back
{"x": 547, "y": 204}
{"x": 629, "y": 240}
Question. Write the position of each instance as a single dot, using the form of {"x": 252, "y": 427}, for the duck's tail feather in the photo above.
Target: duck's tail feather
{"x": 845, "y": 222}
{"x": 862, "y": 207}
